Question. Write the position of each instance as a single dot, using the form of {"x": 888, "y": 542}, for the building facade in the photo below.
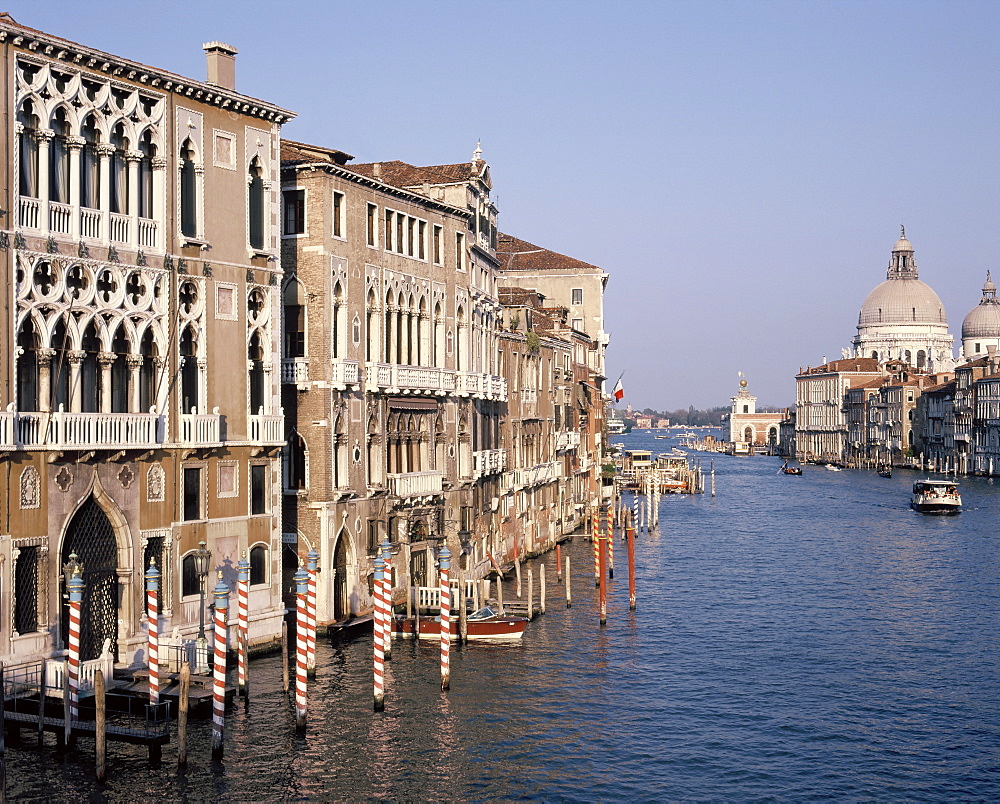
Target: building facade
{"x": 142, "y": 255}
{"x": 747, "y": 426}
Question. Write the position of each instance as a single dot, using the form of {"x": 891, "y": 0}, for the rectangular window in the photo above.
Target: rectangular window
{"x": 422, "y": 241}
{"x": 338, "y": 215}
{"x": 372, "y": 225}
{"x": 411, "y": 236}
{"x": 459, "y": 252}
{"x": 577, "y": 296}
{"x": 387, "y": 245}
{"x": 295, "y": 212}
{"x": 373, "y": 537}
{"x": 26, "y": 591}
{"x": 577, "y": 324}
{"x": 400, "y": 242}
{"x": 258, "y": 488}
{"x": 192, "y": 493}
{"x": 437, "y": 245}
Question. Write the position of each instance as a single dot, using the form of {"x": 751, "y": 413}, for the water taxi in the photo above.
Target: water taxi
{"x": 936, "y": 497}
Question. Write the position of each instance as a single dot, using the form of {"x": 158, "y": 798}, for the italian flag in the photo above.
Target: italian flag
{"x": 619, "y": 392}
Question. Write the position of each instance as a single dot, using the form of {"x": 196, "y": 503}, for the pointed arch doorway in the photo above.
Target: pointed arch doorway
{"x": 341, "y": 609}
{"x": 91, "y": 537}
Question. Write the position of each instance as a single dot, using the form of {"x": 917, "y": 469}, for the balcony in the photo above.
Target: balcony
{"x": 416, "y": 484}
{"x": 567, "y": 440}
{"x": 295, "y": 370}
{"x": 488, "y": 462}
{"x": 266, "y": 429}
{"x": 542, "y": 473}
{"x": 409, "y": 379}
{"x": 200, "y": 429}
{"x": 61, "y": 430}
{"x": 483, "y": 386}
{"x": 344, "y": 373}
{"x": 94, "y": 224}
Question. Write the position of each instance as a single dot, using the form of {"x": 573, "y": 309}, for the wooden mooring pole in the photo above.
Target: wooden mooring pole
{"x": 630, "y": 537}
{"x": 541, "y": 578}
{"x": 517, "y": 570}
{"x": 603, "y": 580}
{"x": 183, "y": 700}
{"x": 558, "y": 563}
{"x": 531, "y": 594}
{"x": 569, "y": 596}
{"x": 284, "y": 656}
{"x": 100, "y": 727}
{"x": 3, "y": 740}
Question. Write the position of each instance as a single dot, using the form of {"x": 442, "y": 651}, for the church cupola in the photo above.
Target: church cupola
{"x": 902, "y": 265}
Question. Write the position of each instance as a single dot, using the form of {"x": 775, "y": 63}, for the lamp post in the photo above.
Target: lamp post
{"x": 201, "y": 558}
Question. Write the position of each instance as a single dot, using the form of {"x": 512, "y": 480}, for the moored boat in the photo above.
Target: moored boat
{"x": 484, "y": 625}
{"x": 936, "y": 497}
{"x": 884, "y": 471}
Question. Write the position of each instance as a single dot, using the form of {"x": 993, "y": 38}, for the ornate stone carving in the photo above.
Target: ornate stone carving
{"x": 154, "y": 483}
{"x": 64, "y": 478}
{"x": 31, "y": 491}
{"x": 126, "y": 476}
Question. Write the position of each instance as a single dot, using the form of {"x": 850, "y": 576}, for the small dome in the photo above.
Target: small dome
{"x": 902, "y": 245}
{"x": 983, "y": 320}
{"x": 902, "y": 301}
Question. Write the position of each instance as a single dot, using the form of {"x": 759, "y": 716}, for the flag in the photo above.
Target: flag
{"x": 619, "y": 392}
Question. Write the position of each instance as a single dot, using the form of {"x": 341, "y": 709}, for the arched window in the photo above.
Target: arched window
{"x": 338, "y": 323}
{"x": 189, "y": 371}
{"x": 296, "y": 464}
{"x": 59, "y": 159}
{"x": 189, "y": 576}
{"x": 60, "y": 367}
{"x": 29, "y": 150}
{"x": 255, "y": 204}
{"x": 27, "y": 367}
{"x": 258, "y": 564}
{"x": 922, "y": 359}
{"x": 148, "y": 151}
{"x": 120, "y": 374}
{"x": 90, "y": 174}
{"x": 255, "y": 358}
{"x": 189, "y": 191}
{"x": 389, "y": 332}
{"x": 295, "y": 319}
{"x": 119, "y": 171}
{"x": 147, "y": 373}
{"x": 371, "y": 323}
{"x": 90, "y": 371}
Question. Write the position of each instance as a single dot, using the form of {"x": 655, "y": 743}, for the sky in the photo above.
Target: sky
{"x": 739, "y": 169}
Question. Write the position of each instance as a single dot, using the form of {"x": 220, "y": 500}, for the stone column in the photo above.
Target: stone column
{"x": 45, "y": 356}
{"x": 104, "y": 153}
{"x": 74, "y": 145}
{"x": 159, "y": 167}
{"x": 105, "y": 361}
{"x": 76, "y": 358}
{"x": 134, "y": 364}
{"x": 161, "y": 386}
{"x": 43, "y": 137}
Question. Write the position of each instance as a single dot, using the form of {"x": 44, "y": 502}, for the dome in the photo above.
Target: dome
{"x": 983, "y": 320}
{"x": 902, "y": 301}
{"x": 902, "y": 245}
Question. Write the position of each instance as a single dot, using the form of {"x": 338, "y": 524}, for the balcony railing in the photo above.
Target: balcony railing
{"x": 200, "y": 429}
{"x": 7, "y": 421}
{"x": 147, "y": 233}
{"x": 409, "y": 379}
{"x": 542, "y": 473}
{"x": 30, "y": 212}
{"x": 416, "y": 484}
{"x": 61, "y": 430}
{"x": 120, "y": 225}
{"x": 266, "y": 428}
{"x": 344, "y": 373}
{"x": 488, "y": 462}
{"x": 90, "y": 223}
{"x": 60, "y": 217}
{"x": 295, "y": 370}
{"x": 567, "y": 440}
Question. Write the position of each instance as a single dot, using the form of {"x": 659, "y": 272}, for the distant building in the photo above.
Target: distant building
{"x": 981, "y": 327}
{"x": 747, "y": 426}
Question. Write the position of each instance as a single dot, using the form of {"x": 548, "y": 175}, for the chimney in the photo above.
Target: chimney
{"x": 221, "y": 64}
{"x": 377, "y": 170}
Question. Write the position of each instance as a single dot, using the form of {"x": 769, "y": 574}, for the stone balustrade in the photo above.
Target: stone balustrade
{"x": 416, "y": 484}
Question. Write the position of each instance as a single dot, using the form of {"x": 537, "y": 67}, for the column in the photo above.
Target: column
{"x": 76, "y": 358}
{"x": 43, "y": 137}
{"x": 162, "y": 387}
{"x": 45, "y": 356}
{"x": 105, "y": 361}
{"x": 132, "y": 160}
{"x": 74, "y": 145}
{"x": 159, "y": 165}
{"x": 134, "y": 363}
{"x": 104, "y": 153}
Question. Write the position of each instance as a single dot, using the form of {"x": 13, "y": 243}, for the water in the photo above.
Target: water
{"x": 796, "y": 638}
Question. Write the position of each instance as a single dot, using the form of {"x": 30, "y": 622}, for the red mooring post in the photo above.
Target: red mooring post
{"x": 595, "y": 537}
{"x": 242, "y": 622}
{"x": 153, "y": 628}
{"x": 445, "y": 560}
{"x": 603, "y": 581}
{"x": 386, "y": 549}
{"x": 221, "y": 593}
{"x": 312, "y": 567}
{"x": 611, "y": 542}
{"x": 630, "y": 539}
{"x": 301, "y": 646}
{"x": 379, "y": 668}
{"x": 73, "y": 660}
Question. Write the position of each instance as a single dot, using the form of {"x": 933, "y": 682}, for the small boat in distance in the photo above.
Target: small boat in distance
{"x": 485, "y": 625}
{"x": 790, "y": 470}
{"x": 884, "y": 471}
{"x": 936, "y": 497}
{"x": 832, "y": 468}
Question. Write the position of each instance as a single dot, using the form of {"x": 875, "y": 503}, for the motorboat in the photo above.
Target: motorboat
{"x": 832, "y": 468}
{"x": 484, "y": 625}
{"x": 936, "y": 497}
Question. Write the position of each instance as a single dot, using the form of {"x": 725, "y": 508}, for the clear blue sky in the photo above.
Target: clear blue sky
{"x": 740, "y": 169}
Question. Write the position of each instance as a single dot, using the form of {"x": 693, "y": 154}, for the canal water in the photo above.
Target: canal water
{"x": 796, "y": 638}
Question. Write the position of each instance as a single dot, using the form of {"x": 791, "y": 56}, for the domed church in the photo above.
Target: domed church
{"x": 981, "y": 328}
{"x": 903, "y": 318}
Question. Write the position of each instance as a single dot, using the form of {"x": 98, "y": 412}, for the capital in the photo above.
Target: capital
{"x": 106, "y": 358}
{"x": 46, "y": 353}
{"x": 104, "y": 150}
{"x": 44, "y": 135}
{"x": 76, "y": 356}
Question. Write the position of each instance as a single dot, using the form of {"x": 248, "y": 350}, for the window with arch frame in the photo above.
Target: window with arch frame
{"x": 258, "y": 564}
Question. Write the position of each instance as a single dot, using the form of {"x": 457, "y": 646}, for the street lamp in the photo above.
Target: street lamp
{"x": 202, "y": 556}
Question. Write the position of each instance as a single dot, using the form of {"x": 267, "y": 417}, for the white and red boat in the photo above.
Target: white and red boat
{"x": 485, "y": 625}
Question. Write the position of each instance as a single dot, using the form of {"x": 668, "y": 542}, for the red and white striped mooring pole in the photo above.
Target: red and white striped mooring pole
{"x": 301, "y": 645}
{"x": 73, "y": 660}
{"x": 312, "y": 567}
{"x": 242, "y": 622}
{"x": 611, "y": 543}
{"x": 379, "y": 644}
{"x": 153, "y": 614}
{"x": 221, "y": 593}
{"x": 386, "y": 551}
{"x": 595, "y": 537}
{"x": 444, "y": 557}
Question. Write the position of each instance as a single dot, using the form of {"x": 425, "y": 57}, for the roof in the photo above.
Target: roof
{"x": 847, "y": 365}
{"x": 119, "y": 67}
{"x": 401, "y": 174}
{"x": 520, "y": 255}
{"x": 944, "y": 387}
{"x": 299, "y": 152}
